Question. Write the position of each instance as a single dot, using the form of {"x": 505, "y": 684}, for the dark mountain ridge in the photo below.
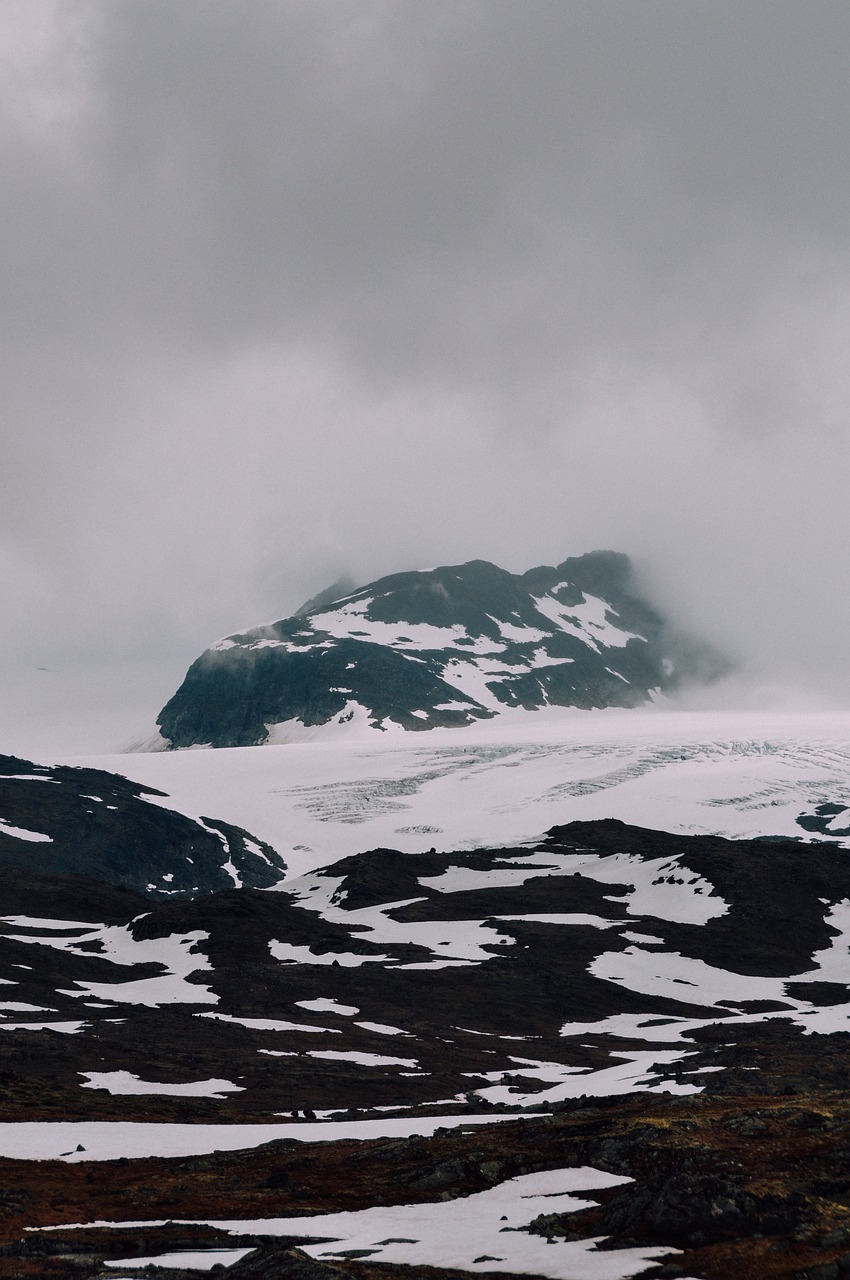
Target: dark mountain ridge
{"x": 59, "y": 820}
{"x": 439, "y": 648}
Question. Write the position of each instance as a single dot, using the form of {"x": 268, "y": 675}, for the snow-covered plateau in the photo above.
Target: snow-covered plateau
{"x": 739, "y": 774}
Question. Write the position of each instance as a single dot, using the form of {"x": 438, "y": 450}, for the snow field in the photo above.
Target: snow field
{"x": 83, "y": 1140}
{"x": 196, "y": 1259}
{"x": 739, "y": 774}
{"x": 482, "y": 1232}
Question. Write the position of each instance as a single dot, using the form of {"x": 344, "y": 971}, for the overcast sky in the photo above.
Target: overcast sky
{"x": 293, "y": 288}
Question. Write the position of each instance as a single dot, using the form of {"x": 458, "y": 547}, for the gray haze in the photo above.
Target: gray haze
{"x": 293, "y": 289}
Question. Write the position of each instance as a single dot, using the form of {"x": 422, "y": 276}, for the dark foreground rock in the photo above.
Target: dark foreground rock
{"x": 673, "y": 1010}
{"x": 741, "y": 1190}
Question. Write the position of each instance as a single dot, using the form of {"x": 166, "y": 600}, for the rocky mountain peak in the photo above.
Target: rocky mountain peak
{"x": 442, "y": 647}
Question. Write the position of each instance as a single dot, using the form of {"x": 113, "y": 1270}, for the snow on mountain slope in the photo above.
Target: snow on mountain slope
{"x": 738, "y": 774}
{"x": 440, "y": 648}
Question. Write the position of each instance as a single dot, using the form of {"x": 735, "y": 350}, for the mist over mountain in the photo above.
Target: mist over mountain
{"x": 518, "y": 282}
{"x": 439, "y": 648}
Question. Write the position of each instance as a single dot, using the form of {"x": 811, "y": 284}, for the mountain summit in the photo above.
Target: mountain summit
{"x": 437, "y": 648}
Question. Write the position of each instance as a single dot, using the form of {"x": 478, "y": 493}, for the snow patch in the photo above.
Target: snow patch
{"x": 483, "y": 1232}
{"x": 124, "y": 1082}
{"x": 22, "y": 833}
{"x": 328, "y": 1006}
{"x": 135, "y": 1140}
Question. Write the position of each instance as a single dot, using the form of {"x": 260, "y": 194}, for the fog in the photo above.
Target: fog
{"x": 295, "y": 290}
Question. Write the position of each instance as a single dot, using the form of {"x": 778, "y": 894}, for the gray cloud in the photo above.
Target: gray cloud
{"x": 291, "y": 289}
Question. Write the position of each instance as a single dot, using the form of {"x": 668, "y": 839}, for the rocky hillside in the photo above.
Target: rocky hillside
{"x": 409, "y": 1061}
{"x": 58, "y": 820}
{"x": 438, "y": 648}
{"x": 604, "y": 960}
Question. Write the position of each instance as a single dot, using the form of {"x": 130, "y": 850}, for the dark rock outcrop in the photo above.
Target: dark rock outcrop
{"x": 58, "y": 820}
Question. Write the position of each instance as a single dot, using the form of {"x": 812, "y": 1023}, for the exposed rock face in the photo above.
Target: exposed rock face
{"x": 440, "y": 648}
{"x": 59, "y": 820}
